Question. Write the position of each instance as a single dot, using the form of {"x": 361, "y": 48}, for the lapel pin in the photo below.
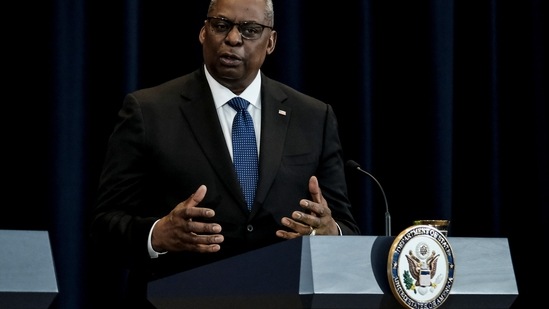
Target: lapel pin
{"x": 281, "y": 112}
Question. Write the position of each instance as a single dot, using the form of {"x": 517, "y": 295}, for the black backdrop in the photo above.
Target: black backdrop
{"x": 445, "y": 102}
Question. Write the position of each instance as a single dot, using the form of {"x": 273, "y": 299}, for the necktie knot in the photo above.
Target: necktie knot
{"x": 238, "y": 103}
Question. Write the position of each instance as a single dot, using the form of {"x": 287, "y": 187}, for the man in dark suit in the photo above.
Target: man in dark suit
{"x": 169, "y": 197}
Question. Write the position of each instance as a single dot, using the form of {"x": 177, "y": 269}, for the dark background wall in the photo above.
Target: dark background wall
{"x": 445, "y": 102}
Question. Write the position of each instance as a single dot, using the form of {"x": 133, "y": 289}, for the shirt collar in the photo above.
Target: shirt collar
{"x": 222, "y": 94}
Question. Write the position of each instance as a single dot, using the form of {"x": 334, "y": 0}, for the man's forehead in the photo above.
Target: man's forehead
{"x": 245, "y": 10}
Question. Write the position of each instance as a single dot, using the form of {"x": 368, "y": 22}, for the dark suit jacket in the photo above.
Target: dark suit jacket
{"x": 168, "y": 141}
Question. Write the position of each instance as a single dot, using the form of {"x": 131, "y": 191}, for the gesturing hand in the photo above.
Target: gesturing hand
{"x": 317, "y": 217}
{"x": 177, "y": 231}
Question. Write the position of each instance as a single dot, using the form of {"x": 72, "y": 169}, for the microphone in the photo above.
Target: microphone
{"x": 353, "y": 165}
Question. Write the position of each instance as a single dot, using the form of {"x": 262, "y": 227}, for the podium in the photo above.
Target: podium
{"x": 333, "y": 272}
{"x": 27, "y": 274}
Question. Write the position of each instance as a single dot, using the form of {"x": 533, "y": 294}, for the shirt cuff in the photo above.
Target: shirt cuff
{"x": 152, "y": 253}
{"x": 339, "y": 232}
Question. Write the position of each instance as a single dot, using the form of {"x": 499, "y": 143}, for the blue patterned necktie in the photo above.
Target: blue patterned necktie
{"x": 244, "y": 149}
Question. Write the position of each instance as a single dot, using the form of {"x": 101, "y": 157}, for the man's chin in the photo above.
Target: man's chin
{"x": 230, "y": 73}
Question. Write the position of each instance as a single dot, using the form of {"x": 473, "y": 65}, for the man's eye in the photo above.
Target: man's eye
{"x": 221, "y": 26}
{"x": 251, "y": 29}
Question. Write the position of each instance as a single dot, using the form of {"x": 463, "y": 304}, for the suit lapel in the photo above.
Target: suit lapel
{"x": 275, "y": 117}
{"x": 198, "y": 109}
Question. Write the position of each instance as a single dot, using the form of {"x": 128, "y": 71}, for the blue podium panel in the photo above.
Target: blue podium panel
{"x": 484, "y": 275}
{"x": 333, "y": 272}
{"x": 27, "y": 274}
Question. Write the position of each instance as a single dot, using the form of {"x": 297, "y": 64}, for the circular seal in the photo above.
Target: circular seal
{"x": 421, "y": 267}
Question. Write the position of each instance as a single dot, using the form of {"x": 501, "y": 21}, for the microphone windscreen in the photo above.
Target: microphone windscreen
{"x": 352, "y": 164}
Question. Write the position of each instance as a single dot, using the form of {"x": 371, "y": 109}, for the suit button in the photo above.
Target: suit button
{"x": 250, "y": 228}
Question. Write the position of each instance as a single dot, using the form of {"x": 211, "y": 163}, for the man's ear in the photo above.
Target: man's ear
{"x": 272, "y": 42}
{"x": 201, "y": 34}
